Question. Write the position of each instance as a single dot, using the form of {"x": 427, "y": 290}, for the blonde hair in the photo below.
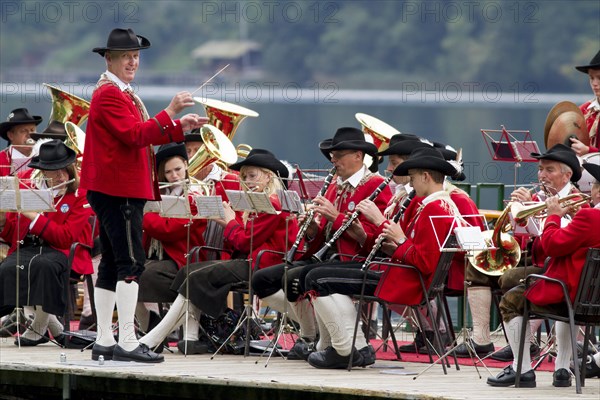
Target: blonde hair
{"x": 270, "y": 188}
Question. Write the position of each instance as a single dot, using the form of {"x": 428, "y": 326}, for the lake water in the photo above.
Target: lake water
{"x": 292, "y": 123}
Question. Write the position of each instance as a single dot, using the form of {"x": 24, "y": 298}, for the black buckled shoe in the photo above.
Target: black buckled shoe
{"x": 142, "y": 354}
{"x": 30, "y": 343}
{"x": 505, "y": 354}
{"x": 368, "y": 354}
{"x": 561, "y": 378}
{"x": 419, "y": 345}
{"x": 481, "y": 350}
{"x": 104, "y": 351}
{"x": 301, "y": 349}
{"x": 330, "y": 359}
{"x": 193, "y": 347}
{"x": 508, "y": 378}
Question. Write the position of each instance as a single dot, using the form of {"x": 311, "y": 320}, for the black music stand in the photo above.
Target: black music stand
{"x": 253, "y": 203}
{"x": 511, "y": 146}
{"x": 15, "y": 199}
{"x": 470, "y": 240}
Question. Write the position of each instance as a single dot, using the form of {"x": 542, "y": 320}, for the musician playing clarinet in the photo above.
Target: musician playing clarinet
{"x": 118, "y": 172}
{"x": 353, "y": 183}
{"x": 17, "y": 130}
{"x": 331, "y": 288}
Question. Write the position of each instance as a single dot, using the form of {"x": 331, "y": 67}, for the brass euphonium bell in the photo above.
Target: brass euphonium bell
{"x": 379, "y": 131}
{"x": 226, "y": 117}
{"x": 75, "y": 138}
{"x": 507, "y": 252}
{"x": 67, "y": 107}
{"x": 216, "y": 148}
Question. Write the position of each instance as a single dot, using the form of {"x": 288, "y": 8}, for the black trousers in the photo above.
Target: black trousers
{"x": 342, "y": 278}
{"x": 123, "y": 255}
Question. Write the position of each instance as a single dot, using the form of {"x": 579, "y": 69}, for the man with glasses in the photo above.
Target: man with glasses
{"x": 353, "y": 183}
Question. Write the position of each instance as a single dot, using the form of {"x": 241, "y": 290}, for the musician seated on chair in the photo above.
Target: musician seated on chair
{"x": 590, "y": 109}
{"x": 248, "y": 234}
{"x": 46, "y": 241}
{"x": 567, "y": 246}
{"x": 166, "y": 239}
{"x": 330, "y": 288}
{"x": 17, "y": 130}
{"x": 353, "y": 183}
{"x": 558, "y": 170}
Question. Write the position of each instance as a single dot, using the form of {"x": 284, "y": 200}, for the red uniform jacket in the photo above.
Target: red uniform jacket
{"x": 269, "y": 233}
{"x": 70, "y": 223}
{"x": 399, "y": 285}
{"x": 119, "y": 159}
{"x": 568, "y": 247}
{"x": 466, "y": 206}
{"x": 345, "y": 244}
{"x": 5, "y": 163}
{"x": 589, "y": 121}
{"x": 228, "y": 182}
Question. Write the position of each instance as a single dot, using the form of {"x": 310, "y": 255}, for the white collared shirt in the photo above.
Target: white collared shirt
{"x": 122, "y": 85}
{"x": 355, "y": 179}
{"x": 214, "y": 174}
{"x": 594, "y": 105}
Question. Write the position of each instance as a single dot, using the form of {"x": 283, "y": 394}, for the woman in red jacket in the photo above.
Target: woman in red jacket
{"x": 46, "y": 242}
{"x": 247, "y": 235}
{"x": 166, "y": 238}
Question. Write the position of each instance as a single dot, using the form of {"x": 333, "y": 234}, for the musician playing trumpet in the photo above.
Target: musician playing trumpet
{"x": 567, "y": 246}
{"x": 353, "y": 183}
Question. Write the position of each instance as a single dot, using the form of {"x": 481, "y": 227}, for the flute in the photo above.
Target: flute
{"x": 318, "y": 256}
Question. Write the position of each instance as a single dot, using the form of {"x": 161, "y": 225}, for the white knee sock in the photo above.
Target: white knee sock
{"x": 54, "y": 326}
{"x": 563, "y": 345}
{"x": 105, "y": 306}
{"x": 127, "y": 295}
{"x": 324, "y": 338}
{"x": 596, "y": 358}
{"x": 39, "y": 326}
{"x": 513, "y": 332}
{"x": 480, "y": 300}
{"x": 168, "y": 324}
{"x": 334, "y": 312}
{"x": 349, "y": 319}
{"x": 278, "y": 302}
{"x": 305, "y": 316}
{"x": 190, "y": 332}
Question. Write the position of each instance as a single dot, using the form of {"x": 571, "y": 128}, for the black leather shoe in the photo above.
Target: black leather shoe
{"x": 87, "y": 323}
{"x": 370, "y": 329}
{"x": 368, "y": 354}
{"x": 592, "y": 370}
{"x": 481, "y": 350}
{"x": 30, "y": 343}
{"x": 561, "y": 378}
{"x": 193, "y": 347}
{"x": 301, "y": 349}
{"x": 141, "y": 354}
{"x": 505, "y": 354}
{"x": 419, "y": 345}
{"x": 508, "y": 378}
{"x": 330, "y": 359}
{"x": 105, "y": 351}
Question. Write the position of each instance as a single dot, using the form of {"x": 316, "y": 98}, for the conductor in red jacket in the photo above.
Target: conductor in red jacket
{"x": 118, "y": 172}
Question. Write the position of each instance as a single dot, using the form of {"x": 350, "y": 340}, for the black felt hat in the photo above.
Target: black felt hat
{"x": 425, "y": 158}
{"x": 193, "y": 136}
{"x": 54, "y": 155}
{"x": 347, "y": 139}
{"x": 561, "y": 153}
{"x": 18, "y": 116}
{"x": 403, "y": 144}
{"x": 593, "y": 169}
{"x": 264, "y": 159}
{"x": 54, "y": 130}
{"x": 594, "y": 64}
{"x": 123, "y": 40}
{"x": 169, "y": 150}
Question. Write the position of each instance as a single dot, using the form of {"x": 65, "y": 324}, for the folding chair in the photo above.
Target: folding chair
{"x": 434, "y": 292}
{"x": 584, "y": 311}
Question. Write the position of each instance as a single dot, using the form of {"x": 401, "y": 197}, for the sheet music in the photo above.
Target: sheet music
{"x": 209, "y": 207}
{"x": 8, "y": 199}
{"x": 470, "y": 238}
{"x": 290, "y": 201}
{"x": 7, "y": 183}
{"x": 175, "y": 207}
{"x": 250, "y": 201}
{"x": 37, "y": 200}
{"x": 19, "y": 164}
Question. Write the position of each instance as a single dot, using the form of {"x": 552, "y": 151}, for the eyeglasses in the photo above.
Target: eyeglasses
{"x": 339, "y": 154}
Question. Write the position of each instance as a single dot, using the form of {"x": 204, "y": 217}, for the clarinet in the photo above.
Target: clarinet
{"x": 310, "y": 215}
{"x": 318, "y": 256}
{"x": 380, "y": 239}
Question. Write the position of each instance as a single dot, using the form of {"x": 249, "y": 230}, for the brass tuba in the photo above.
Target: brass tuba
{"x": 226, "y": 117}
{"x": 377, "y": 129}
{"x": 506, "y": 253}
{"x": 75, "y": 138}
{"x": 217, "y": 147}
{"x": 67, "y": 107}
